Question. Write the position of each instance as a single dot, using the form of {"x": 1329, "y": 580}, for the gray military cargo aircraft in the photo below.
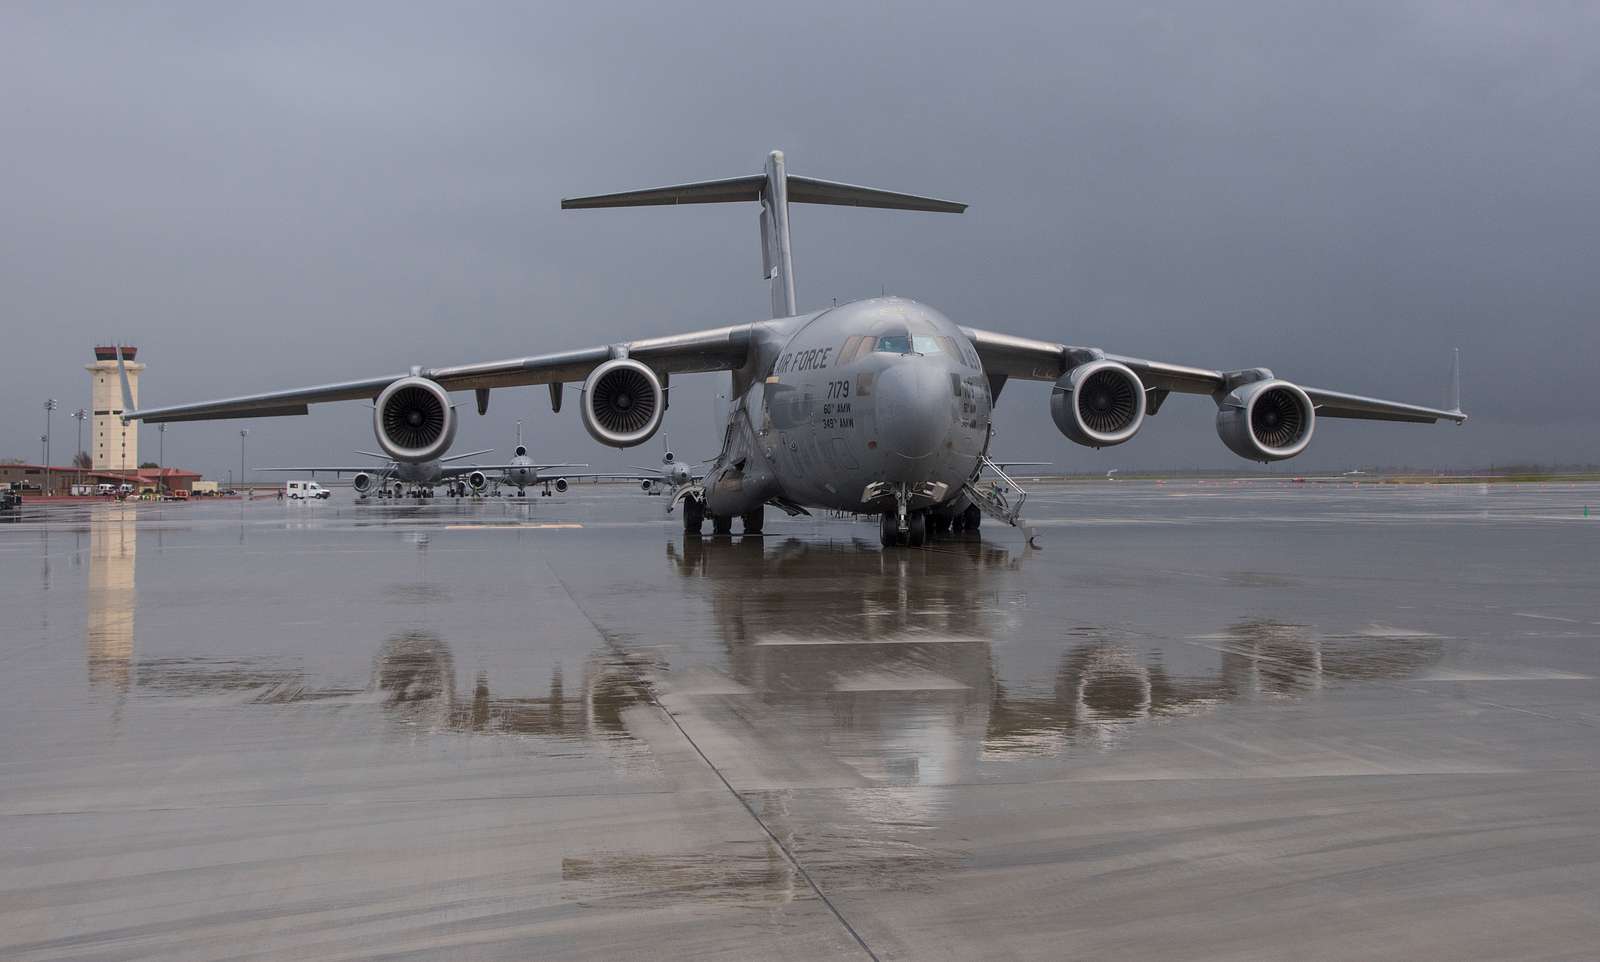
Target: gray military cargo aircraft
{"x": 879, "y": 406}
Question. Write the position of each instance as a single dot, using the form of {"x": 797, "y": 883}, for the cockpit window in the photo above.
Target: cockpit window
{"x": 925, "y": 344}
{"x": 895, "y": 344}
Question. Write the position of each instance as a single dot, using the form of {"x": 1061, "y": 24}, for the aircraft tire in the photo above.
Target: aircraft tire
{"x": 753, "y": 520}
{"x": 694, "y": 516}
{"x": 721, "y": 524}
{"x": 917, "y": 529}
{"x": 971, "y": 518}
{"x": 888, "y": 530}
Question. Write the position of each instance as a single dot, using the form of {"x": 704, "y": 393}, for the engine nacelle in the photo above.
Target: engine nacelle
{"x": 1266, "y": 420}
{"x": 667, "y": 458}
{"x": 561, "y": 485}
{"x": 622, "y": 403}
{"x": 362, "y": 482}
{"x": 477, "y": 480}
{"x": 646, "y": 484}
{"x": 414, "y": 420}
{"x": 1098, "y": 404}
{"x": 521, "y": 451}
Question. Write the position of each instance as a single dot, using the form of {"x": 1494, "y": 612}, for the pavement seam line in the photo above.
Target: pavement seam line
{"x": 650, "y": 694}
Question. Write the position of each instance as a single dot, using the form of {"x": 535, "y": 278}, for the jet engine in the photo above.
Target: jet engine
{"x": 477, "y": 480}
{"x": 1098, "y": 404}
{"x": 622, "y": 403}
{"x": 561, "y": 485}
{"x": 1266, "y": 420}
{"x": 646, "y": 484}
{"x": 362, "y": 482}
{"x": 414, "y": 420}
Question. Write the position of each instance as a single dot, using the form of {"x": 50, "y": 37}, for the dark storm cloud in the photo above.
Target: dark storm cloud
{"x": 282, "y": 195}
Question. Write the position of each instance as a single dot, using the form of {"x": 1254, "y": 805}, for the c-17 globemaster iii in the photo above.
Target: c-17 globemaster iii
{"x": 879, "y": 406}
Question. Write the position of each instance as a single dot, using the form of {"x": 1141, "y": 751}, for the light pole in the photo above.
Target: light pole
{"x": 243, "y": 433}
{"x": 161, "y": 458}
{"x": 78, "y": 416}
{"x": 49, "y": 408}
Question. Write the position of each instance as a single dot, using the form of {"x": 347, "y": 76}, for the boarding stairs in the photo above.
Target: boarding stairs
{"x": 998, "y": 496}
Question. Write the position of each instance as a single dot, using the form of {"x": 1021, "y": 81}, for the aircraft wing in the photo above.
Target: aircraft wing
{"x": 714, "y": 349}
{"x": 612, "y": 476}
{"x": 370, "y": 468}
{"x": 1035, "y": 360}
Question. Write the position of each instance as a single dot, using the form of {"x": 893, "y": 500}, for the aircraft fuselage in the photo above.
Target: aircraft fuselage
{"x": 853, "y": 402}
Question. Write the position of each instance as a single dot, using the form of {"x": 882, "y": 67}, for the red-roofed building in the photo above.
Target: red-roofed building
{"x": 37, "y": 480}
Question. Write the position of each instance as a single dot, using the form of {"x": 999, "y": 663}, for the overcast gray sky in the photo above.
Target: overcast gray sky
{"x": 277, "y": 195}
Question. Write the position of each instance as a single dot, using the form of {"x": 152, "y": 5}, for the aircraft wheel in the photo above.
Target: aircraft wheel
{"x": 971, "y": 518}
{"x": 721, "y": 524}
{"x": 753, "y": 520}
{"x": 888, "y": 530}
{"x": 694, "y": 515}
{"x": 917, "y": 529}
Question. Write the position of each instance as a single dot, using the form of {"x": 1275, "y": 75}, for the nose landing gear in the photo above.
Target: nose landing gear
{"x": 915, "y": 534}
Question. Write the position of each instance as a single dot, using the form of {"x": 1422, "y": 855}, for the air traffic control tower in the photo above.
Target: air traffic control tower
{"x": 114, "y": 446}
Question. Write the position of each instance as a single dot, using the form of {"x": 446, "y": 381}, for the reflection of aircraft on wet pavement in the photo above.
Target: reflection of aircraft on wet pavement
{"x": 904, "y": 661}
{"x": 881, "y": 406}
{"x": 414, "y": 673}
{"x": 414, "y": 677}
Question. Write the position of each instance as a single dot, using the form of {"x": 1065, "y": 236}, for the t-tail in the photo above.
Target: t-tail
{"x": 775, "y": 189}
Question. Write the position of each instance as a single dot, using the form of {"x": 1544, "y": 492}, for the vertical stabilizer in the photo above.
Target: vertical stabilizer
{"x": 774, "y": 189}
{"x": 775, "y": 236}
{"x": 128, "y": 407}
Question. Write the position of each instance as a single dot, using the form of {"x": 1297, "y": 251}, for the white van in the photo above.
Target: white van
{"x": 305, "y": 491}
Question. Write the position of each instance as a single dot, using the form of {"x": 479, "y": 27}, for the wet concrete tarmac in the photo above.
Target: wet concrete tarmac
{"x": 1206, "y": 721}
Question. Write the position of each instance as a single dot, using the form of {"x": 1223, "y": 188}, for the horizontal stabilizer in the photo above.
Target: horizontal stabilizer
{"x": 802, "y": 190}
{"x": 729, "y": 191}
{"x": 807, "y": 190}
{"x": 775, "y": 189}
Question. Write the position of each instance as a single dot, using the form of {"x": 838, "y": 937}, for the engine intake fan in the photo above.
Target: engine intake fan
{"x": 622, "y": 403}
{"x": 1098, "y": 404}
{"x": 414, "y": 420}
{"x": 1268, "y": 420}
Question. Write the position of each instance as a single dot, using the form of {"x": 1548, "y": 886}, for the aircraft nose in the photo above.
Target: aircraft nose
{"x": 913, "y": 407}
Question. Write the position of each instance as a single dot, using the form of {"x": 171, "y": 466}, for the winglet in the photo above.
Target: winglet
{"x": 1455, "y": 385}
{"x": 129, "y": 411}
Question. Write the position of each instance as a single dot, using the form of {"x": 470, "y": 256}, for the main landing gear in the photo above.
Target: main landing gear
{"x": 753, "y": 520}
{"x": 694, "y": 516}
